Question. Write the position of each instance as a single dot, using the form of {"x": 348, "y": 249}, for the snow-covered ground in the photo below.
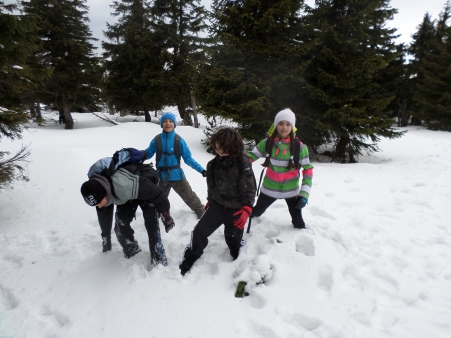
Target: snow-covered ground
{"x": 374, "y": 261}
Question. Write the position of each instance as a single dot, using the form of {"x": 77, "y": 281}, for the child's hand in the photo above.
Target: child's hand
{"x": 167, "y": 221}
{"x": 241, "y": 216}
{"x": 301, "y": 202}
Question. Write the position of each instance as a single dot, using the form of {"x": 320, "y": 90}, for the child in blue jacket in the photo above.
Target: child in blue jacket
{"x": 168, "y": 166}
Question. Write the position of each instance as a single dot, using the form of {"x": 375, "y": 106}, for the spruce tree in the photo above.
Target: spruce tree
{"x": 433, "y": 87}
{"x": 421, "y": 45}
{"x": 344, "y": 101}
{"x": 16, "y": 44}
{"x": 133, "y": 60}
{"x": 67, "y": 49}
{"x": 252, "y": 69}
{"x": 181, "y": 23}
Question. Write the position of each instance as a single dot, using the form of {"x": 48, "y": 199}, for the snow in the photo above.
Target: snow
{"x": 374, "y": 261}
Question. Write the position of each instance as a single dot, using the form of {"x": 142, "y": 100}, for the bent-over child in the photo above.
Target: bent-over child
{"x": 130, "y": 186}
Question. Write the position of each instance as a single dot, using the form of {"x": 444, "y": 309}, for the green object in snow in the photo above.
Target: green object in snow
{"x": 240, "y": 293}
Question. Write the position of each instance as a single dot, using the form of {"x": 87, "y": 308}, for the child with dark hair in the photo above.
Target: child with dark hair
{"x": 282, "y": 175}
{"x": 231, "y": 194}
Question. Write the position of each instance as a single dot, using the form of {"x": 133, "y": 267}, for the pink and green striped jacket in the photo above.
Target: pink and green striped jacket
{"x": 280, "y": 182}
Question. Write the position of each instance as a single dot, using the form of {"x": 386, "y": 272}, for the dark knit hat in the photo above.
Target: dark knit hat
{"x": 93, "y": 192}
{"x": 169, "y": 116}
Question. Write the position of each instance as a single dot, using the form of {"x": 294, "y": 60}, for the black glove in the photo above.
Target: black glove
{"x": 301, "y": 202}
{"x": 167, "y": 221}
{"x": 204, "y": 173}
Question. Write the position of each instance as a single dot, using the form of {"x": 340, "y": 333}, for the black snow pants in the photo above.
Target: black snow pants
{"x": 264, "y": 201}
{"x": 105, "y": 217}
{"x": 125, "y": 233}
{"x": 211, "y": 220}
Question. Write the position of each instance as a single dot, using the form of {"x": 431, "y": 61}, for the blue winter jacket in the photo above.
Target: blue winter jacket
{"x": 167, "y": 140}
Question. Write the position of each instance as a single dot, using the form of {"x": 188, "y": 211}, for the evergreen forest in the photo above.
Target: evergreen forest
{"x": 335, "y": 64}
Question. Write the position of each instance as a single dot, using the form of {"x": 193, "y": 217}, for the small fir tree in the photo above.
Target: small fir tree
{"x": 16, "y": 44}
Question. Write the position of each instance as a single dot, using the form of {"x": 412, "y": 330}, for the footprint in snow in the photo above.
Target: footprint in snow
{"x": 315, "y": 211}
{"x": 302, "y": 322}
{"x": 325, "y": 279}
{"x": 15, "y": 261}
{"x": 305, "y": 246}
{"x": 51, "y": 317}
{"x": 8, "y": 301}
{"x": 137, "y": 273}
{"x": 272, "y": 233}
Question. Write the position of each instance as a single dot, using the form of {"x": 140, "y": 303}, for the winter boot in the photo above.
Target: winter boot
{"x": 187, "y": 261}
{"x": 106, "y": 243}
{"x": 131, "y": 249}
{"x": 185, "y": 267}
{"x": 235, "y": 252}
{"x": 301, "y": 225}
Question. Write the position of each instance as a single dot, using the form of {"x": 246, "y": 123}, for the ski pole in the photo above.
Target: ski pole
{"x": 249, "y": 225}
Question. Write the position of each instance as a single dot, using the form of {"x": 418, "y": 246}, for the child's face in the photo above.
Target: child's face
{"x": 220, "y": 152}
{"x": 102, "y": 203}
{"x": 284, "y": 129}
{"x": 168, "y": 125}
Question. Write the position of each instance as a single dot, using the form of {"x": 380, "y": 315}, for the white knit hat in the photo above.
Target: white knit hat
{"x": 285, "y": 115}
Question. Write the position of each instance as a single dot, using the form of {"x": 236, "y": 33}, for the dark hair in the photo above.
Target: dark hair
{"x": 270, "y": 144}
{"x": 229, "y": 140}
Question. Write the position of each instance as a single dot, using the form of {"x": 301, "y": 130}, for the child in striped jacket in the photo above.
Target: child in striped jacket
{"x": 282, "y": 175}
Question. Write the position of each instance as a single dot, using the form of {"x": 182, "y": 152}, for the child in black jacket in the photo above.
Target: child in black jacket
{"x": 231, "y": 194}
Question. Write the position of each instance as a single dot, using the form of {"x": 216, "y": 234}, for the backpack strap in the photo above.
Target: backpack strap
{"x": 176, "y": 153}
{"x": 297, "y": 149}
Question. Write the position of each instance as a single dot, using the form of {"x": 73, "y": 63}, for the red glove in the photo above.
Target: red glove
{"x": 241, "y": 216}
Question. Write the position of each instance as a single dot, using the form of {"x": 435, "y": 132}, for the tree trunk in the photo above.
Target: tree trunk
{"x": 343, "y": 151}
{"x": 38, "y": 111}
{"x": 183, "y": 114}
{"x": 32, "y": 110}
{"x": 147, "y": 115}
{"x": 110, "y": 108}
{"x": 403, "y": 117}
{"x": 65, "y": 110}
{"x": 193, "y": 104}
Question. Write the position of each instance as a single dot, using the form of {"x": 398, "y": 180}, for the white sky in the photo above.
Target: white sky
{"x": 374, "y": 261}
{"x": 410, "y": 15}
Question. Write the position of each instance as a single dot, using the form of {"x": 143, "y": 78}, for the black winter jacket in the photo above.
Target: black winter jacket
{"x": 227, "y": 185}
{"x": 140, "y": 182}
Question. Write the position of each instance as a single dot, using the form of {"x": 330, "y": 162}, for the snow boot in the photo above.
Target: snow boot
{"x": 302, "y": 226}
{"x": 187, "y": 261}
{"x": 185, "y": 267}
{"x": 131, "y": 249}
{"x": 106, "y": 243}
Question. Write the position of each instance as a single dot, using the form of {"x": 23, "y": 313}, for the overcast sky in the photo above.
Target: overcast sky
{"x": 410, "y": 15}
